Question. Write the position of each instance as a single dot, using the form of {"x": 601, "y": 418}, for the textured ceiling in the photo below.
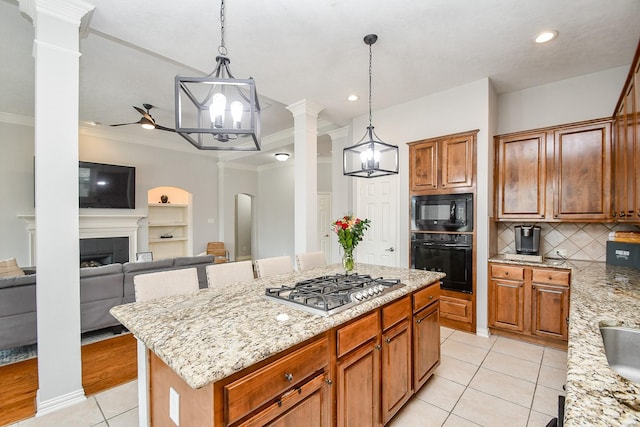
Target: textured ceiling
{"x": 304, "y": 49}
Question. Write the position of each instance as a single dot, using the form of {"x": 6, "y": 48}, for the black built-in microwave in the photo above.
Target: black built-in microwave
{"x": 442, "y": 212}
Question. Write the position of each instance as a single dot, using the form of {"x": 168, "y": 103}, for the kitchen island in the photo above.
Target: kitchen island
{"x": 600, "y": 295}
{"x": 213, "y": 337}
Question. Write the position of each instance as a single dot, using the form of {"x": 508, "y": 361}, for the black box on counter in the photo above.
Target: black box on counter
{"x": 623, "y": 254}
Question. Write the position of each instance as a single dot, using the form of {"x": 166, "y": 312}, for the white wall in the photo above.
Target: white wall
{"x": 234, "y": 180}
{"x": 587, "y": 97}
{"x": 155, "y": 167}
{"x": 16, "y": 190}
{"x": 275, "y": 210}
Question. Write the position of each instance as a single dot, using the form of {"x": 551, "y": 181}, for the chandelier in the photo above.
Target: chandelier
{"x": 218, "y": 112}
{"x": 370, "y": 157}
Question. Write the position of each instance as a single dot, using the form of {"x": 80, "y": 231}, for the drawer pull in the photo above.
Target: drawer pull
{"x": 288, "y": 377}
{"x": 430, "y": 296}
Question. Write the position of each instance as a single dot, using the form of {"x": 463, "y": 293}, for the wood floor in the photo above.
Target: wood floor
{"x": 105, "y": 364}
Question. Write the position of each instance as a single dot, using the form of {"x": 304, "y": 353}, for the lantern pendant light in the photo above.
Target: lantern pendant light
{"x": 370, "y": 157}
{"x": 218, "y": 112}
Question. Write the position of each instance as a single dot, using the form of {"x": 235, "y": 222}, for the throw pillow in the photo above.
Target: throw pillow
{"x": 9, "y": 268}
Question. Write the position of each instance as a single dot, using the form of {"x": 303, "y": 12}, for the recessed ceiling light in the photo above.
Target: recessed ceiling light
{"x": 353, "y": 98}
{"x": 546, "y": 36}
{"x": 282, "y": 157}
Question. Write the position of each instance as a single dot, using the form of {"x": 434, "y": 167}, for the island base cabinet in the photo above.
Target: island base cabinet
{"x": 305, "y": 406}
{"x": 195, "y": 406}
{"x": 396, "y": 358}
{"x": 358, "y": 392}
{"x": 426, "y": 344}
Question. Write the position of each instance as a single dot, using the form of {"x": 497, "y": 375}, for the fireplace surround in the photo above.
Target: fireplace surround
{"x": 95, "y": 226}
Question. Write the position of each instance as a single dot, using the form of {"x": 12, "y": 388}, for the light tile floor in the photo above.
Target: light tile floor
{"x": 480, "y": 382}
{"x": 492, "y": 381}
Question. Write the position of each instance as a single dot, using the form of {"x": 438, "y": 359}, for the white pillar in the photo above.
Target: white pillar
{"x": 305, "y": 137}
{"x": 340, "y": 185}
{"x": 56, "y": 52}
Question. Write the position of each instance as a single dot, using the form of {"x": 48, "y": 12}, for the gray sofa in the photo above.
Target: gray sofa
{"x": 101, "y": 288}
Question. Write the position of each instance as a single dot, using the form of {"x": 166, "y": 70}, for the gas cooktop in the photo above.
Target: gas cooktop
{"x": 327, "y": 295}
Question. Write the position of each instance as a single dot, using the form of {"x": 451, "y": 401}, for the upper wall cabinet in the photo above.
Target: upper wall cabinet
{"x": 555, "y": 174}
{"x": 626, "y": 204}
{"x": 442, "y": 165}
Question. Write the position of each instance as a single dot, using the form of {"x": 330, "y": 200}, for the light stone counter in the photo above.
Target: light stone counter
{"x": 596, "y": 395}
{"x": 210, "y": 334}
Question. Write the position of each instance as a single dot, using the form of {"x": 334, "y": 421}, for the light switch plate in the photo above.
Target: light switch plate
{"x": 174, "y": 406}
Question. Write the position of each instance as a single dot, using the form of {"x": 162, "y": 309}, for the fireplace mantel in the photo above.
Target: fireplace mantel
{"x": 94, "y": 226}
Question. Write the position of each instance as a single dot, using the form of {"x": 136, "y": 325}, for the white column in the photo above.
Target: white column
{"x": 340, "y": 185}
{"x": 56, "y": 52}
{"x": 305, "y": 134}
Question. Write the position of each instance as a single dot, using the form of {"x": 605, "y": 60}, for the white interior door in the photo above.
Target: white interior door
{"x": 377, "y": 200}
{"x": 324, "y": 224}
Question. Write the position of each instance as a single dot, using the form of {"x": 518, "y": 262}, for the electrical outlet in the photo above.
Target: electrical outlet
{"x": 174, "y": 406}
{"x": 562, "y": 252}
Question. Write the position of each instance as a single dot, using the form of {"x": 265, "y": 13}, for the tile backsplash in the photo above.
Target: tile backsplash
{"x": 583, "y": 241}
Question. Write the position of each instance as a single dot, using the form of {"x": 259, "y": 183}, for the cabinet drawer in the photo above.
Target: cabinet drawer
{"x": 456, "y": 309}
{"x": 357, "y": 333}
{"x": 257, "y": 388}
{"x": 426, "y": 296}
{"x": 507, "y": 272}
{"x": 395, "y": 312}
{"x": 552, "y": 277}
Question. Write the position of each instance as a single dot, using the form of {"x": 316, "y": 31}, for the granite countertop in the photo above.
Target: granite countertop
{"x": 208, "y": 335}
{"x": 600, "y": 294}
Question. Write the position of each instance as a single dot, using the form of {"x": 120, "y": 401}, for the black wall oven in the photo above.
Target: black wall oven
{"x": 449, "y": 253}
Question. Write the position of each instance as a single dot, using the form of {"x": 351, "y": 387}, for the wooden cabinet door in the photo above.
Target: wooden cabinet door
{"x": 423, "y": 166}
{"x": 426, "y": 344}
{"x": 636, "y": 125}
{"x": 396, "y": 369}
{"x": 456, "y": 156}
{"x": 358, "y": 387}
{"x": 506, "y": 304}
{"x": 549, "y": 310}
{"x": 521, "y": 176}
{"x": 582, "y": 166}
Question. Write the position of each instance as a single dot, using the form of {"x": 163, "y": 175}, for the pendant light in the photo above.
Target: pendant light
{"x": 218, "y": 112}
{"x": 370, "y": 157}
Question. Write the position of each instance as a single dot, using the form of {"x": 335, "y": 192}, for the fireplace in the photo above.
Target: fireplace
{"x": 95, "y": 226}
{"x": 102, "y": 251}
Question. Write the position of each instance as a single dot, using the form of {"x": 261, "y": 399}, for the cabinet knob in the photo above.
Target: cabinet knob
{"x": 430, "y": 296}
{"x": 387, "y": 340}
{"x": 615, "y": 215}
{"x": 328, "y": 381}
{"x": 378, "y": 347}
{"x": 638, "y": 213}
{"x": 419, "y": 321}
{"x": 622, "y": 215}
{"x": 288, "y": 377}
{"x": 506, "y": 273}
{"x": 542, "y": 216}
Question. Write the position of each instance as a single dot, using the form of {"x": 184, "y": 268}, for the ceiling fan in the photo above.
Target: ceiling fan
{"x": 147, "y": 121}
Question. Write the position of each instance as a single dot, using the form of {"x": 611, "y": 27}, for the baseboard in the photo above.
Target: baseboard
{"x": 483, "y": 332}
{"x": 48, "y": 406}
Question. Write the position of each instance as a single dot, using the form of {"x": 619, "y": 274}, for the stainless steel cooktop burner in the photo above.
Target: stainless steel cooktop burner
{"x": 327, "y": 295}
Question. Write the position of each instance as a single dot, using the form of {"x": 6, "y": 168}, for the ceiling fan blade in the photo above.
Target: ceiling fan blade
{"x": 125, "y": 124}
{"x": 144, "y": 114}
{"x": 165, "y": 128}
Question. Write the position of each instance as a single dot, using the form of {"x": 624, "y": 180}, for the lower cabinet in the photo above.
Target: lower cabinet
{"x": 531, "y": 302}
{"x": 396, "y": 357}
{"x": 358, "y": 374}
{"x": 426, "y": 338}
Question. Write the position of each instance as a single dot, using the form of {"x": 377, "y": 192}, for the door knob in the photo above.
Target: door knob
{"x": 391, "y": 249}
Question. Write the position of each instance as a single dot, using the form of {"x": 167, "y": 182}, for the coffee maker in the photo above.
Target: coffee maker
{"x": 527, "y": 239}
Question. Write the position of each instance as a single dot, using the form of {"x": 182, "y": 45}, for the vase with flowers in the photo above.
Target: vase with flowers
{"x": 350, "y": 231}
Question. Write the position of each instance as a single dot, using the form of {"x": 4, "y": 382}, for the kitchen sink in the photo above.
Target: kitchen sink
{"x": 622, "y": 347}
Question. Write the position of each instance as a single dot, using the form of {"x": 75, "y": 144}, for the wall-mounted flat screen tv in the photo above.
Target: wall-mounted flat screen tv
{"x": 107, "y": 186}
